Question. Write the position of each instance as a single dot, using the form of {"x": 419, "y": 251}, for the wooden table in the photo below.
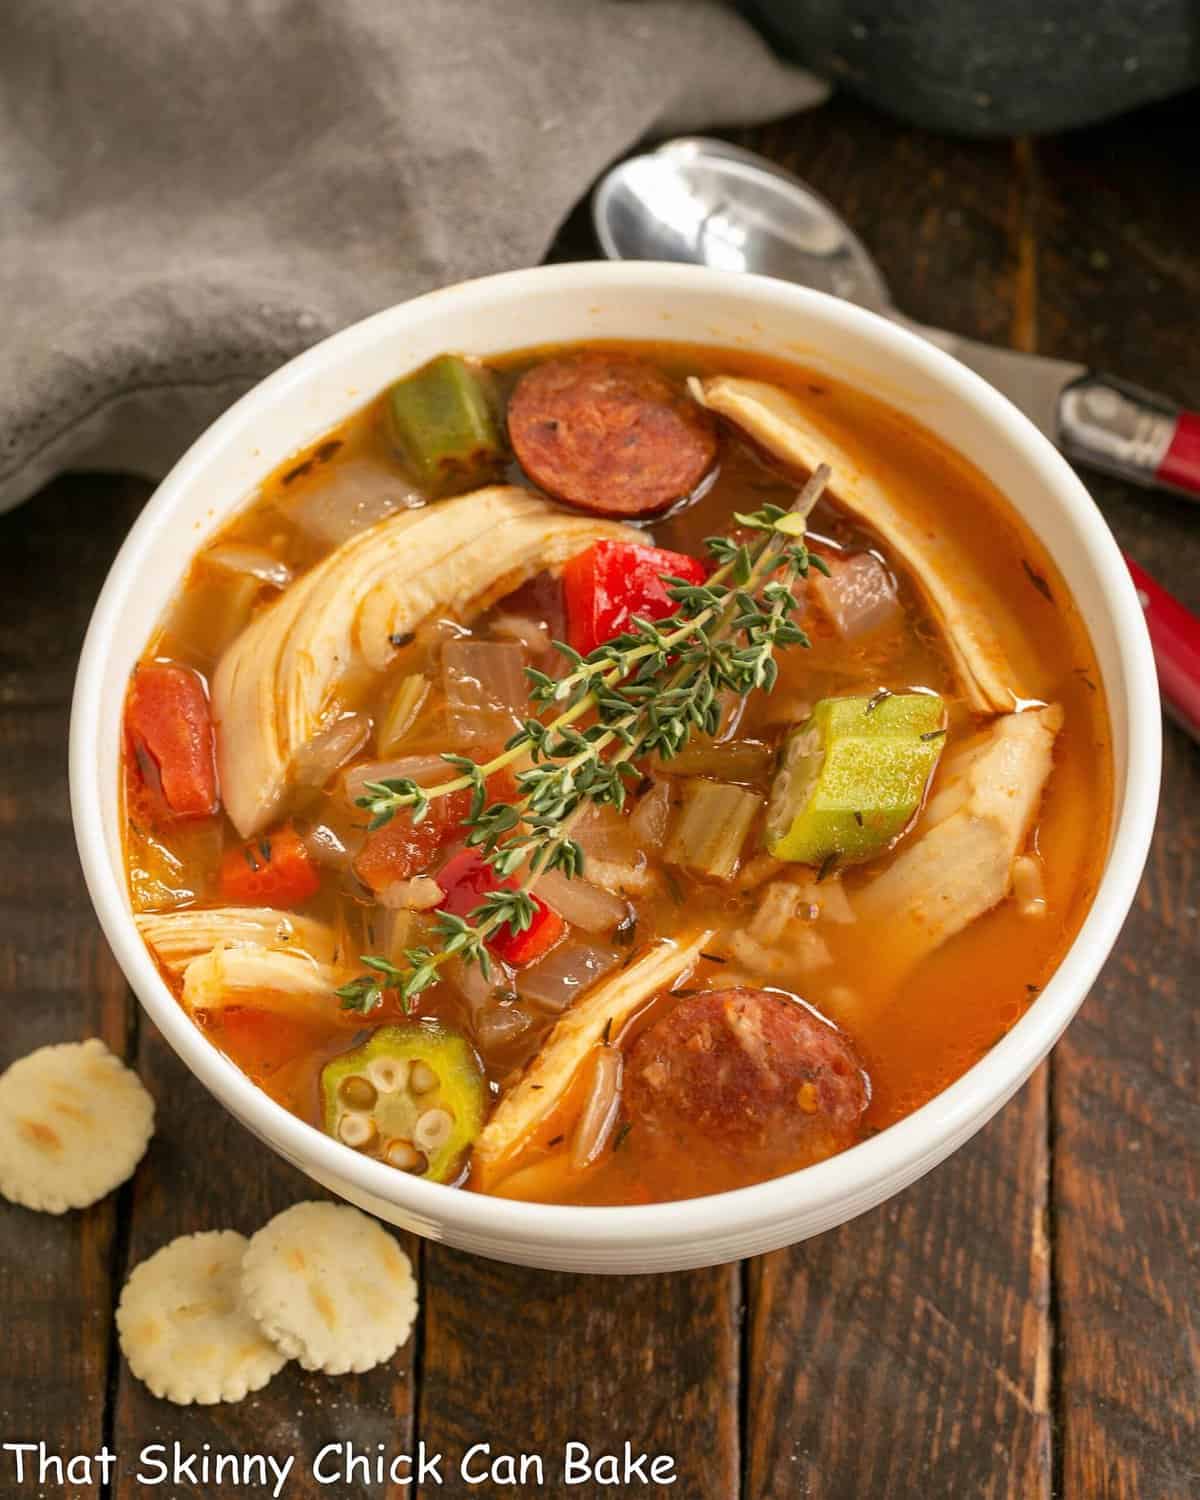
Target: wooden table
{"x": 1022, "y": 1323}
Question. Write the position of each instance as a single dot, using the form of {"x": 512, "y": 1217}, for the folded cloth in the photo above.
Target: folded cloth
{"x": 193, "y": 192}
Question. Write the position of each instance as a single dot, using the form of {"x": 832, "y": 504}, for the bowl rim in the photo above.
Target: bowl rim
{"x": 855, "y": 1176}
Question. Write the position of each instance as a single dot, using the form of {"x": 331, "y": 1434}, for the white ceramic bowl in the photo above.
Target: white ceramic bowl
{"x": 553, "y": 305}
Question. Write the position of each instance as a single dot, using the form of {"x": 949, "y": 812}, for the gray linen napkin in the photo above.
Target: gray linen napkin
{"x": 192, "y": 192}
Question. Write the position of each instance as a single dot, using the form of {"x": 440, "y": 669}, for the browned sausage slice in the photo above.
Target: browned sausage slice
{"x": 610, "y": 434}
{"x": 740, "y": 1069}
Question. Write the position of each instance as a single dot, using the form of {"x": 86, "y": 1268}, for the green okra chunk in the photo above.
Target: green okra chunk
{"x": 412, "y": 1096}
{"x": 443, "y": 425}
{"x": 852, "y": 777}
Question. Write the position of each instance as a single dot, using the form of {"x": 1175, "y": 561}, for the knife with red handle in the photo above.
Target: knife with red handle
{"x": 1122, "y": 429}
{"x": 1125, "y": 430}
{"x": 1175, "y": 637}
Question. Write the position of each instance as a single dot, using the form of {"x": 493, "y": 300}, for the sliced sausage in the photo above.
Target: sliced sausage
{"x": 610, "y": 434}
{"x": 746, "y": 1069}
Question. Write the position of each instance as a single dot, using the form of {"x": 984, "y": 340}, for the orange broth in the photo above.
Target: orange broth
{"x": 915, "y": 1036}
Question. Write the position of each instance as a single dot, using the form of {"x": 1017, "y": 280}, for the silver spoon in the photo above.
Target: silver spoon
{"x": 708, "y": 203}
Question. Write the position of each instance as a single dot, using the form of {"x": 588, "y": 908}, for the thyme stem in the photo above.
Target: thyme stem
{"x": 649, "y": 690}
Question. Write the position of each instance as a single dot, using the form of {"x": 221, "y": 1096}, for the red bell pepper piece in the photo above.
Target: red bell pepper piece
{"x": 467, "y": 879}
{"x": 169, "y": 725}
{"x": 275, "y": 870}
{"x": 611, "y": 582}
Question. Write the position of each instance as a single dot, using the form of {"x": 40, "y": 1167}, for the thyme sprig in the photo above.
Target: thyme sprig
{"x": 644, "y": 693}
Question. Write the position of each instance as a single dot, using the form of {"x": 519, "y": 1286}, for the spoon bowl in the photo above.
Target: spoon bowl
{"x": 703, "y": 202}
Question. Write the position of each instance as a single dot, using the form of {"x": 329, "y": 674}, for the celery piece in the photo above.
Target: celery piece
{"x": 853, "y": 777}
{"x": 443, "y": 425}
{"x": 714, "y": 819}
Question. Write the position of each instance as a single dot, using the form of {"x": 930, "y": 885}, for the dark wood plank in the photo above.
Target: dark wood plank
{"x": 58, "y": 981}
{"x": 1120, "y": 279}
{"x": 910, "y": 1352}
{"x": 939, "y": 215}
{"x": 529, "y": 1360}
{"x": 205, "y": 1171}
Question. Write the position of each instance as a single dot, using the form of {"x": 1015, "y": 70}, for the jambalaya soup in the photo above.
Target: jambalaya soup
{"x": 614, "y": 774}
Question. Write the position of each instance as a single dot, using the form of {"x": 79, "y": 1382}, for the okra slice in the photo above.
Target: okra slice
{"x": 412, "y": 1096}
{"x": 853, "y": 777}
{"x": 444, "y": 426}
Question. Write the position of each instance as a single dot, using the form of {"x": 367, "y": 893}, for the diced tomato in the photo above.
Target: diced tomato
{"x": 275, "y": 870}
{"x": 401, "y": 848}
{"x": 613, "y": 581}
{"x": 169, "y": 725}
{"x": 467, "y": 879}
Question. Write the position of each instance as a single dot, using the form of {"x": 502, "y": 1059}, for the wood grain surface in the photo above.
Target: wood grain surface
{"x": 1022, "y": 1323}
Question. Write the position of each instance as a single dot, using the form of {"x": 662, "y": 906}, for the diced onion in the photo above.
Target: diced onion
{"x": 428, "y": 770}
{"x": 600, "y": 1110}
{"x": 476, "y": 989}
{"x": 531, "y": 634}
{"x": 257, "y": 562}
{"x": 567, "y": 971}
{"x": 418, "y": 894}
{"x": 326, "y": 847}
{"x": 487, "y": 693}
{"x": 582, "y": 904}
{"x": 329, "y": 750}
{"x": 859, "y": 596}
{"x": 497, "y": 1026}
{"x": 602, "y": 831}
{"x": 338, "y": 502}
{"x": 649, "y": 819}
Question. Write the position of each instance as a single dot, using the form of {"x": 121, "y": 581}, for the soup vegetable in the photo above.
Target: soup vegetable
{"x": 614, "y": 774}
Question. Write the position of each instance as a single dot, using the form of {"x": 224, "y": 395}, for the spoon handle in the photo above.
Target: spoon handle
{"x": 1175, "y": 637}
{"x": 1122, "y": 429}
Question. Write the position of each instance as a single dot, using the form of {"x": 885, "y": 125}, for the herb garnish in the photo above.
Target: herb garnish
{"x": 366, "y": 992}
{"x": 1037, "y": 580}
{"x": 644, "y": 693}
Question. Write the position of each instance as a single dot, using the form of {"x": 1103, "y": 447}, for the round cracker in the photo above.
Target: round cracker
{"x": 74, "y": 1123}
{"x": 330, "y": 1286}
{"x": 183, "y": 1326}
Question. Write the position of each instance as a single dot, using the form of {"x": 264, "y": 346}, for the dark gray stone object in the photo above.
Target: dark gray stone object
{"x": 994, "y": 67}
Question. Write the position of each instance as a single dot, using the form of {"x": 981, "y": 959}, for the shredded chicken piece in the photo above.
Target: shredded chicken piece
{"x": 961, "y": 601}
{"x": 277, "y": 685}
{"x": 177, "y": 937}
{"x": 805, "y": 952}
{"x": 960, "y": 861}
{"x": 788, "y": 904}
{"x": 278, "y": 981}
{"x": 601, "y": 1012}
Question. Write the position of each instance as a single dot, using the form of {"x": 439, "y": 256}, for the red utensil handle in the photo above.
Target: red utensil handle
{"x": 1122, "y": 429}
{"x": 1175, "y": 637}
{"x": 1180, "y": 466}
